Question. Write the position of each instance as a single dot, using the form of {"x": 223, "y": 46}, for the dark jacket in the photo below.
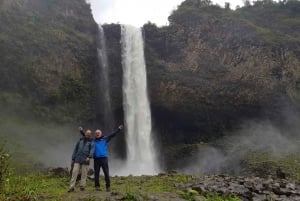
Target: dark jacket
{"x": 83, "y": 149}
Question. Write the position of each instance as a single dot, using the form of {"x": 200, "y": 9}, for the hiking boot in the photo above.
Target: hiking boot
{"x": 82, "y": 188}
{"x": 97, "y": 188}
{"x": 107, "y": 189}
{"x": 71, "y": 190}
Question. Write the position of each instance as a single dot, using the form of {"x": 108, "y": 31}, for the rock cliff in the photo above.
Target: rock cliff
{"x": 48, "y": 58}
{"x": 209, "y": 70}
{"x": 214, "y": 68}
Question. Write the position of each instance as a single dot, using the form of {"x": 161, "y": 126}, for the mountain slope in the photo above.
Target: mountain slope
{"x": 48, "y": 57}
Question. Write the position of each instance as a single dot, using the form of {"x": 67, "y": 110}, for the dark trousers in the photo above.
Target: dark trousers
{"x": 101, "y": 162}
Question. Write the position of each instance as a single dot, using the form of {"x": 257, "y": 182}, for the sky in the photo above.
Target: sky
{"x": 139, "y": 12}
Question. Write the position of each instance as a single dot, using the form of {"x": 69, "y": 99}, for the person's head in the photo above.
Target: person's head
{"x": 88, "y": 133}
{"x": 98, "y": 133}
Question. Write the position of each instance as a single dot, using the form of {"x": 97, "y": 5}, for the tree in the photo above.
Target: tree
{"x": 247, "y": 3}
{"x": 227, "y": 5}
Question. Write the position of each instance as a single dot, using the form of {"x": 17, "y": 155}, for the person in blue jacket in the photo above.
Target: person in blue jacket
{"x": 100, "y": 156}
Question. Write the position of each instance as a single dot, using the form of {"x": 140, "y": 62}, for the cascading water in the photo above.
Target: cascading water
{"x": 105, "y": 106}
{"x": 140, "y": 152}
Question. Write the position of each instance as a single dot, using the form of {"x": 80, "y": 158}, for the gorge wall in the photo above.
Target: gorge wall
{"x": 213, "y": 69}
{"x": 48, "y": 58}
{"x": 209, "y": 71}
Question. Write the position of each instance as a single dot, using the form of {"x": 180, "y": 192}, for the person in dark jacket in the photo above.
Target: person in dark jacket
{"x": 100, "y": 156}
{"x": 83, "y": 152}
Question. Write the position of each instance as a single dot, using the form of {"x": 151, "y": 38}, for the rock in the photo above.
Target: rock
{"x": 290, "y": 186}
{"x": 180, "y": 186}
{"x": 59, "y": 172}
{"x": 258, "y": 197}
{"x": 199, "y": 188}
{"x": 280, "y": 174}
{"x": 162, "y": 174}
{"x": 172, "y": 172}
{"x": 90, "y": 172}
{"x": 247, "y": 188}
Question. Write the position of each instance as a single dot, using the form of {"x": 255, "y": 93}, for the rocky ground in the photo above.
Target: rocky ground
{"x": 180, "y": 187}
{"x": 248, "y": 188}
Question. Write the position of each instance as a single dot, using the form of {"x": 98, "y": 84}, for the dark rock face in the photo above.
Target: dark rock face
{"x": 208, "y": 71}
{"x": 212, "y": 69}
{"x": 248, "y": 189}
{"x": 48, "y": 58}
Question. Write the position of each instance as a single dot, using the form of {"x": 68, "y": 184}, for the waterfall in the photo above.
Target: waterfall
{"x": 140, "y": 152}
{"x": 105, "y": 103}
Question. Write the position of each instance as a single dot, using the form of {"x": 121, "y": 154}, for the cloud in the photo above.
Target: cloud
{"x": 134, "y": 12}
{"x": 139, "y": 12}
{"x": 254, "y": 137}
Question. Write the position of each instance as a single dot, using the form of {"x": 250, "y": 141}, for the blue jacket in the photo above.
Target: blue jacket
{"x": 100, "y": 144}
{"x": 83, "y": 149}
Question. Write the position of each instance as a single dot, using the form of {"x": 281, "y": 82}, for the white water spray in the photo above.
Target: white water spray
{"x": 104, "y": 80}
{"x": 140, "y": 153}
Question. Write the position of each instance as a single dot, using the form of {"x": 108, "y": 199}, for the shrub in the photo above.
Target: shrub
{"x": 4, "y": 166}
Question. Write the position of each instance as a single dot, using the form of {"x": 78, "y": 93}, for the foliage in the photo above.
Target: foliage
{"x": 275, "y": 23}
{"x": 189, "y": 195}
{"x": 31, "y": 187}
{"x": 4, "y": 167}
{"x": 130, "y": 197}
{"x": 44, "y": 47}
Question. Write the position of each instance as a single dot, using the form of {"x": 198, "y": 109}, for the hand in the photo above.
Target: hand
{"x": 80, "y": 128}
{"x": 121, "y": 127}
{"x": 87, "y": 160}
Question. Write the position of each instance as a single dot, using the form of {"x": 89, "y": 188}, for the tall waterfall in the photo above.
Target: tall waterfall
{"x": 140, "y": 152}
{"x": 105, "y": 102}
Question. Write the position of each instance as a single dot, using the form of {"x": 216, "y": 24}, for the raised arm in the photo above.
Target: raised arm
{"x": 109, "y": 137}
{"x": 81, "y": 131}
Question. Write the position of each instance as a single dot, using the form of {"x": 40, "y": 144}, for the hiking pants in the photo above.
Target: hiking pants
{"x": 101, "y": 162}
{"x": 84, "y": 170}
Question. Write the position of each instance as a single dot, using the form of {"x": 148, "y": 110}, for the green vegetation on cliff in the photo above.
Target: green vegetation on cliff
{"x": 213, "y": 68}
{"x": 276, "y": 23}
{"x": 48, "y": 56}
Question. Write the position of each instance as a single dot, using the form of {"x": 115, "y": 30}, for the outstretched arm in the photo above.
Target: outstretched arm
{"x": 109, "y": 137}
{"x": 81, "y": 131}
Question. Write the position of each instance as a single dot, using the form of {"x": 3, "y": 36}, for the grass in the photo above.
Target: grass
{"x": 33, "y": 187}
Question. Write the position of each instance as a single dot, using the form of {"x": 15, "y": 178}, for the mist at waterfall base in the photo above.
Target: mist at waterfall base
{"x": 254, "y": 137}
{"x": 36, "y": 145}
{"x": 52, "y": 145}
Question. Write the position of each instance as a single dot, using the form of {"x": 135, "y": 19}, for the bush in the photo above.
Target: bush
{"x": 4, "y": 166}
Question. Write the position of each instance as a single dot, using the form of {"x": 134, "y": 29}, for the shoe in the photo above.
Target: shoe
{"x": 97, "y": 188}
{"x": 107, "y": 189}
{"x": 71, "y": 190}
{"x": 82, "y": 188}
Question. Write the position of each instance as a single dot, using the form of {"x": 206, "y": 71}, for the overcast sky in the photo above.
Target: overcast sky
{"x": 139, "y": 12}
